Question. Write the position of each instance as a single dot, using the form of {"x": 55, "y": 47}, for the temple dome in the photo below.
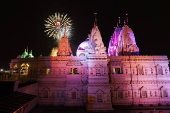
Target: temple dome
{"x": 81, "y": 50}
{"x": 30, "y": 55}
{"x": 24, "y": 54}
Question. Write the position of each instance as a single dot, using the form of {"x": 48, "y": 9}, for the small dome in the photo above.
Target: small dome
{"x": 81, "y": 50}
{"x": 83, "y": 45}
{"x": 30, "y": 55}
{"x": 25, "y": 54}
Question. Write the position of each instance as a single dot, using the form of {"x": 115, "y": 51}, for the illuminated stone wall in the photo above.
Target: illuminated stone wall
{"x": 96, "y": 79}
{"x": 142, "y": 80}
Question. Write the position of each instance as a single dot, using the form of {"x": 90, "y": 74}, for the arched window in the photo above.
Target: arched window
{"x": 47, "y": 71}
{"x": 119, "y": 93}
{"x": 98, "y": 71}
{"x": 140, "y": 69}
{"x": 164, "y": 92}
{"x": 99, "y": 98}
{"x": 74, "y": 71}
{"x": 24, "y": 69}
{"x": 15, "y": 71}
{"x": 73, "y": 95}
{"x": 116, "y": 70}
{"x": 143, "y": 92}
{"x": 46, "y": 94}
{"x": 159, "y": 70}
{"x": 82, "y": 54}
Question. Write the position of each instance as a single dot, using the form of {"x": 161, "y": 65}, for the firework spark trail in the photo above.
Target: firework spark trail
{"x": 56, "y": 25}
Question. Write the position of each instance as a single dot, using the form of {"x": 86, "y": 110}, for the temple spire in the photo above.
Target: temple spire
{"x": 126, "y": 20}
{"x": 95, "y": 22}
{"x": 30, "y": 52}
{"x": 119, "y": 24}
{"x": 119, "y": 20}
{"x": 64, "y": 48}
{"x": 27, "y": 48}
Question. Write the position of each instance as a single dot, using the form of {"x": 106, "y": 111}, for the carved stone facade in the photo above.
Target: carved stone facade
{"x": 140, "y": 80}
{"x": 97, "y": 80}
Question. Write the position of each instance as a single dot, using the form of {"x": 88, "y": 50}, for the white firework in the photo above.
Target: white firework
{"x": 57, "y": 25}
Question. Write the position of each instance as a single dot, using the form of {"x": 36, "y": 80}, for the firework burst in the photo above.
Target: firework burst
{"x": 58, "y": 24}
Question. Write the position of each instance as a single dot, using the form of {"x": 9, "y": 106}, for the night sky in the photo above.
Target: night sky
{"x": 22, "y": 24}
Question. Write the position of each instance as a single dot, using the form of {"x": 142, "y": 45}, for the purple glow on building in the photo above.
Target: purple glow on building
{"x": 113, "y": 44}
{"x": 123, "y": 42}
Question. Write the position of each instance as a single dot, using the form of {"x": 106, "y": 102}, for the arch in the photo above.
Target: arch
{"x": 99, "y": 95}
{"x": 15, "y": 69}
{"x": 81, "y": 54}
{"x": 24, "y": 69}
{"x": 74, "y": 93}
{"x": 140, "y": 69}
{"x": 74, "y": 89}
{"x": 143, "y": 92}
{"x": 116, "y": 69}
{"x": 164, "y": 92}
{"x": 119, "y": 92}
{"x": 159, "y": 69}
{"x": 99, "y": 91}
{"x": 46, "y": 92}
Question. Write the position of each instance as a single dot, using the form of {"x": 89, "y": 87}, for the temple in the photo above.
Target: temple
{"x": 123, "y": 41}
{"x": 97, "y": 78}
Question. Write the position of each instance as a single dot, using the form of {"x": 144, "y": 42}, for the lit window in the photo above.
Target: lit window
{"x": 15, "y": 71}
{"x": 116, "y": 71}
{"x": 24, "y": 69}
{"x": 74, "y": 71}
{"x": 47, "y": 71}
